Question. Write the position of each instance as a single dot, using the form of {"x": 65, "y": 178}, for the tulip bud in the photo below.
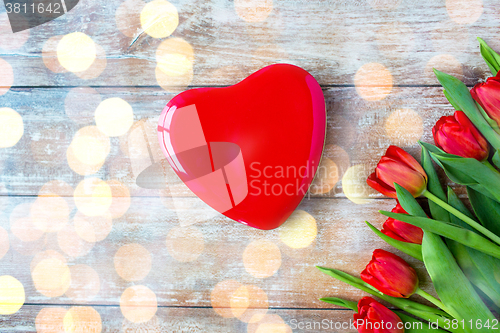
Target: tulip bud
{"x": 373, "y": 317}
{"x": 402, "y": 231}
{"x": 397, "y": 166}
{"x": 487, "y": 94}
{"x": 390, "y": 274}
{"x": 457, "y": 135}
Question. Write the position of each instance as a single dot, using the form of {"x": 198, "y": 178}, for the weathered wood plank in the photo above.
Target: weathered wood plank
{"x": 184, "y": 320}
{"x": 189, "y": 262}
{"x": 331, "y": 39}
{"x": 358, "y": 133}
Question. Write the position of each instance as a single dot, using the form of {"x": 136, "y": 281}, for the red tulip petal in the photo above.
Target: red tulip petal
{"x": 399, "y": 154}
{"x": 380, "y": 186}
{"x": 488, "y": 96}
{"x": 391, "y": 172}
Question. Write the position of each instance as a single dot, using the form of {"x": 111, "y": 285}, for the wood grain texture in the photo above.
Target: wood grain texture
{"x": 374, "y": 60}
{"x": 358, "y": 133}
{"x": 343, "y": 242}
{"x": 182, "y": 320}
{"x": 331, "y": 39}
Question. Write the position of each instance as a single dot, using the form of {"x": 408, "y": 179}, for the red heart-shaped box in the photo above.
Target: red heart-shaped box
{"x": 251, "y": 150}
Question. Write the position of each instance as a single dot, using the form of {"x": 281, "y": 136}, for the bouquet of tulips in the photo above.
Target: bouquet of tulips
{"x": 460, "y": 248}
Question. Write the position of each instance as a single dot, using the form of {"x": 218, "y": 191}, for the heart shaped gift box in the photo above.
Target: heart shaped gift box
{"x": 251, "y": 150}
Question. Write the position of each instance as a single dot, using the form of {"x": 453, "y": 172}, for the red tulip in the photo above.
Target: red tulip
{"x": 487, "y": 94}
{"x": 397, "y": 166}
{"x": 402, "y": 231}
{"x": 457, "y": 135}
{"x": 373, "y": 317}
{"x": 390, "y": 274}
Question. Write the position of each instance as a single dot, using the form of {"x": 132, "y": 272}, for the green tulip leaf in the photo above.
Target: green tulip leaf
{"x": 434, "y": 186}
{"x": 455, "y": 176}
{"x": 420, "y": 310}
{"x": 460, "y": 298}
{"x": 460, "y": 94}
{"x": 413, "y": 325}
{"x": 340, "y": 302}
{"x": 411, "y": 249}
{"x": 491, "y": 58}
{"x": 450, "y": 99}
{"x": 493, "y": 124}
{"x": 486, "y": 209}
{"x": 496, "y": 158}
{"x": 451, "y": 231}
{"x": 477, "y": 266}
{"x": 487, "y": 178}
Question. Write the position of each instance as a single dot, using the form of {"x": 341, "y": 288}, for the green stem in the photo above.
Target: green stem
{"x": 462, "y": 216}
{"x": 432, "y": 299}
{"x": 492, "y": 168}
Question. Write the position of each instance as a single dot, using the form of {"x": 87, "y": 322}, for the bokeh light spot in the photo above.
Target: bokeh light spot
{"x": 85, "y": 284}
{"x": 326, "y": 177}
{"x": 97, "y": 67}
{"x": 132, "y": 262}
{"x": 173, "y": 83}
{"x": 339, "y": 156}
{"x": 93, "y": 197}
{"x": 220, "y": 297}
{"x": 11, "y": 124}
{"x": 4, "y": 242}
{"x": 6, "y": 76}
{"x": 185, "y": 244}
{"x": 82, "y": 319}
{"x": 21, "y": 224}
{"x": 71, "y": 244}
{"x": 253, "y": 10}
{"x": 49, "y": 55}
{"x": 76, "y": 52}
{"x": 299, "y": 230}
{"x": 48, "y": 254}
{"x": 93, "y": 228}
{"x": 354, "y": 184}
{"x": 159, "y": 18}
{"x": 11, "y": 295}
{"x": 445, "y": 63}
{"x": 50, "y": 320}
{"x": 262, "y": 258}
{"x": 121, "y": 199}
{"x": 373, "y": 82}
{"x": 50, "y": 213}
{"x": 271, "y": 323}
{"x": 51, "y": 277}
{"x": 114, "y": 116}
{"x": 88, "y": 150}
{"x": 175, "y": 64}
{"x": 175, "y": 58}
{"x": 464, "y": 11}
{"x": 138, "y": 304}
{"x": 249, "y": 304}
{"x": 404, "y": 127}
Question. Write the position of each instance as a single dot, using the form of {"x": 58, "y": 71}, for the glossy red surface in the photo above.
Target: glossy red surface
{"x": 251, "y": 150}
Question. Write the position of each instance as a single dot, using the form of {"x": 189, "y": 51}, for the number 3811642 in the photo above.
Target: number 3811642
{"x": 18, "y": 8}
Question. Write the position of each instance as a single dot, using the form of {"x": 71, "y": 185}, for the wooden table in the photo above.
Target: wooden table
{"x": 159, "y": 260}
